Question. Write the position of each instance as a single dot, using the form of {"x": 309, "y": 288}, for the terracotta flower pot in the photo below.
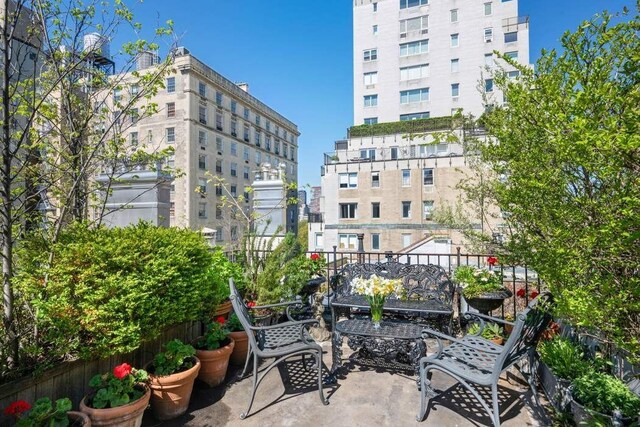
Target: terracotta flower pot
{"x": 129, "y": 415}
{"x": 498, "y": 341}
{"x": 214, "y": 364}
{"x": 223, "y": 309}
{"x": 170, "y": 394}
{"x": 78, "y": 419}
{"x": 241, "y": 347}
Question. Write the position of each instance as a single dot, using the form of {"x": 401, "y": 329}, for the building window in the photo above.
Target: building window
{"x": 171, "y": 84}
{"x": 455, "y": 90}
{"x": 404, "y": 4}
{"x": 406, "y": 240}
{"x": 257, "y": 120}
{"x": 233, "y": 189}
{"x": 412, "y": 116}
{"x": 234, "y": 169}
{"x": 149, "y": 136}
{"x": 171, "y": 135}
{"x": 258, "y": 157}
{"x": 406, "y": 177}
{"x": 370, "y": 100}
{"x": 202, "y": 210}
{"x": 256, "y": 137}
{"x": 202, "y": 114}
{"x": 234, "y": 127}
{"x": 487, "y": 9}
{"x": 318, "y": 238}
{"x": 245, "y": 133}
{"x": 511, "y": 37}
{"x": 218, "y": 190}
{"x": 370, "y": 78}
{"x": 134, "y": 115}
{"x": 202, "y": 186}
{"x": 218, "y": 212}
{"x": 202, "y": 162}
{"x": 218, "y": 98}
{"x": 513, "y": 54}
{"x": 171, "y": 109}
{"x": 219, "y": 145}
{"x": 285, "y": 150}
{"x": 375, "y": 7}
{"x": 202, "y": 89}
{"x": 246, "y": 113}
{"x": 234, "y": 149}
{"x": 276, "y": 146}
{"x": 414, "y": 72}
{"x": 219, "y": 120}
{"x": 348, "y": 210}
{"x": 375, "y": 30}
{"x": 219, "y": 235}
{"x": 421, "y": 23}
{"x": 348, "y": 180}
{"x": 488, "y": 59}
{"x": 267, "y": 142}
{"x": 245, "y": 172}
{"x": 406, "y": 209}
{"x": 414, "y": 95}
{"x": 368, "y": 154}
{"x": 234, "y": 106}
{"x": 370, "y": 55}
{"x": 427, "y": 209}
{"x": 427, "y": 176}
{"x": 219, "y": 166}
{"x": 371, "y": 121}
{"x": 134, "y": 90}
{"x": 453, "y": 15}
{"x": 375, "y": 210}
{"x": 133, "y": 138}
{"x": 455, "y": 40}
{"x": 202, "y": 138}
{"x": 488, "y": 85}
{"x": 375, "y": 179}
{"x": 488, "y": 35}
{"x": 245, "y": 154}
{"x": 414, "y": 48}
{"x": 513, "y": 74}
{"x": 117, "y": 95}
{"x": 375, "y": 242}
{"x": 455, "y": 65}
{"x": 347, "y": 241}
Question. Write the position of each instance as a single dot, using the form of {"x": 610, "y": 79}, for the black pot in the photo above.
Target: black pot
{"x": 489, "y": 301}
{"x": 312, "y": 286}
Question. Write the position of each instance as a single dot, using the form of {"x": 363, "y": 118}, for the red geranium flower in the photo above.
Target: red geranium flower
{"x": 17, "y": 408}
{"x": 534, "y": 294}
{"x": 521, "y": 293}
{"x": 492, "y": 260}
{"x": 221, "y": 320}
{"x": 122, "y": 371}
{"x": 251, "y": 304}
{"x": 315, "y": 257}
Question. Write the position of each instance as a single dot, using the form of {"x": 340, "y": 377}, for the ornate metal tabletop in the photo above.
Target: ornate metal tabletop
{"x": 388, "y": 329}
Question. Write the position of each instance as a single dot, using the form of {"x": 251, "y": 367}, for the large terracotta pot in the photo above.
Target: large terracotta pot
{"x": 223, "y": 309}
{"x": 129, "y": 415}
{"x": 170, "y": 394}
{"x": 241, "y": 347}
{"x": 214, "y": 363}
{"x": 78, "y": 419}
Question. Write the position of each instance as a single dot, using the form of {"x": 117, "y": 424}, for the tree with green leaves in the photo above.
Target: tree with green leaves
{"x": 566, "y": 147}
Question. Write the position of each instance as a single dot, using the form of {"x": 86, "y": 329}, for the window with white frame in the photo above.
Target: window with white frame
{"x": 370, "y": 100}
{"x": 488, "y": 85}
{"x": 414, "y": 24}
{"x": 488, "y": 35}
{"x": 453, "y": 15}
{"x": 406, "y": 177}
{"x": 348, "y": 180}
{"x": 512, "y": 54}
{"x": 411, "y": 116}
{"x": 219, "y": 120}
{"x": 348, "y": 210}
{"x": 202, "y": 89}
{"x": 414, "y": 95}
{"x": 414, "y": 72}
{"x": 234, "y": 169}
{"x": 375, "y": 179}
{"x": 245, "y": 154}
{"x": 202, "y": 138}
{"x": 202, "y": 210}
{"x": 171, "y": 135}
{"x": 414, "y": 48}
{"x": 318, "y": 240}
{"x": 375, "y": 210}
{"x": 513, "y": 74}
{"x": 348, "y": 241}
{"x": 375, "y": 30}
{"x": 488, "y": 59}
{"x": 406, "y": 240}
{"x": 371, "y": 78}
{"x": 133, "y": 138}
{"x": 427, "y": 209}
{"x": 375, "y": 241}
{"x": 455, "y": 65}
{"x": 234, "y": 149}
{"x": 245, "y": 172}
{"x": 511, "y": 37}
{"x": 219, "y": 145}
{"x": 202, "y": 186}
{"x": 202, "y": 114}
{"x": 202, "y": 162}
{"x": 455, "y": 40}
{"x": 258, "y": 157}
{"x": 375, "y": 7}
{"x": 370, "y": 55}
{"x": 404, "y": 4}
{"x": 171, "y": 84}
{"x": 370, "y": 120}
{"x": 171, "y": 109}
{"x": 455, "y": 90}
{"x": 427, "y": 176}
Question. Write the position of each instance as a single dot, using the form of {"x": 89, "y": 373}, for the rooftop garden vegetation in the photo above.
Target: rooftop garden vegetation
{"x": 404, "y": 126}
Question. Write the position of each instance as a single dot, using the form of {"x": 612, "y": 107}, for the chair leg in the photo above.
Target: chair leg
{"x": 496, "y": 409}
{"x": 532, "y": 376}
{"x": 425, "y": 387}
{"x": 246, "y": 363}
{"x": 319, "y": 365}
{"x": 255, "y": 386}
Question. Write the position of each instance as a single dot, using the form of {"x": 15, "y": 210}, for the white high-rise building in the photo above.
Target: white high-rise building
{"x": 429, "y": 58}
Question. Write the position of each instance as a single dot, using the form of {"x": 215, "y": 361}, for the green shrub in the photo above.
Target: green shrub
{"x": 220, "y": 271}
{"x": 564, "y": 358}
{"x": 108, "y": 290}
{"x": 405, "y": 126}
{"x": 604, "y": 393}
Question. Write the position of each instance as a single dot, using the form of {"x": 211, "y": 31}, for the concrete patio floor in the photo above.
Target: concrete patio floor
{"x": 365, "y": 396}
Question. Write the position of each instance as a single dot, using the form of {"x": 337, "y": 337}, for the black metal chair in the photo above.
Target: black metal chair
{"x": 280, "y": 341}
{"x": 475, "y": 360}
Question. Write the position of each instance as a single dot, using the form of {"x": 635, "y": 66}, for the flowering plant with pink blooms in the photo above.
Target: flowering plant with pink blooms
{"x": 117, "y": 388}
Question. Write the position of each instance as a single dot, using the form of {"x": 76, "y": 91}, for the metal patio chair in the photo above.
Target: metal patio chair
{"x": 280, "y": 341}
{"x": 475, "y": 360}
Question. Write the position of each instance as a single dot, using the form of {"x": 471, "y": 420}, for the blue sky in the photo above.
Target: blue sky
{"x": 297, "y": 56}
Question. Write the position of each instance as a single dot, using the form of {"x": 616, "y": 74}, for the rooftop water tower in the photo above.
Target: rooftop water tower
{"x": 147, "y": 59}
{"x": 97, "y": 49}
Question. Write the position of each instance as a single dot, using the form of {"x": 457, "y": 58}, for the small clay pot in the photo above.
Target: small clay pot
{"x": 498, "y": 341}
{"x": 129, "y": 415}
{"x": 78, "y": 419}
{"x": 170, "y": 394}
{"x": 241, "y": 347}
{"x": 214, "y": 363}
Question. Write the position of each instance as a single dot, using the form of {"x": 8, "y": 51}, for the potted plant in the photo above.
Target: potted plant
{"x": 481, "y": 288}
{"x": 562, "y": 361}
{"x": 240, "y": 338}
{"x": 491, "y": 331}
{"x": 171, "y": 377}
{"x": 220, "y": 271}
{"x": 601, "y": 399}
{"x": 213, "y": 350}
{"x": 43, "y": 413}
{"x": 119, "y": 398}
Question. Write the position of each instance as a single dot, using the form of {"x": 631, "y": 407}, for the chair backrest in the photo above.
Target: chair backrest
{"x": 529, "y": 326}
{"x": 242, "y": 312}
{"x": 420, "y": 281}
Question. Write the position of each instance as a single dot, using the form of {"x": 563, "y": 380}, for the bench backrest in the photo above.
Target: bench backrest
{"x": 421, "y": 281}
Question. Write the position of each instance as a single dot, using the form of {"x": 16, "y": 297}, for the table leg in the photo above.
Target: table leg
{"x": 336, "y": 356}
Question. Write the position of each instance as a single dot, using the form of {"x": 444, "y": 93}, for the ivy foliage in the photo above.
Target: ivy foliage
{"x": 108, "y": 290}
{"x": 567, "y": 149}
{"x": 404, "y": 126}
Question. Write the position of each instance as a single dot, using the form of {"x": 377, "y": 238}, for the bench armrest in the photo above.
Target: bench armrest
{"x": 483, "y": 317}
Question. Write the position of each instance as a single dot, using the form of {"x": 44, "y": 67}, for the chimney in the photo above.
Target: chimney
{"x": 243, "y": 86}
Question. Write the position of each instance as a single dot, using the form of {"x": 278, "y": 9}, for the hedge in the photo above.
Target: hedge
{"x": 405, "y": 126}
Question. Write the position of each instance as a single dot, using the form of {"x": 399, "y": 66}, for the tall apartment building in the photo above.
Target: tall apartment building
{"x": 428, "y": 58}
{"x": 413, "y": 60}
{"x": 215, "y": 126}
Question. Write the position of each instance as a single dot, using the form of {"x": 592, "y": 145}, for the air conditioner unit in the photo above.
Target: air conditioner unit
{"x": 403, "y": 35}
{"x": 370, "y": 86}
{"x": 234, "y": 134}
{"x": 425, "y": 31}
{"x": 219, "y": 127}
{"x": 455, "y": 99}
